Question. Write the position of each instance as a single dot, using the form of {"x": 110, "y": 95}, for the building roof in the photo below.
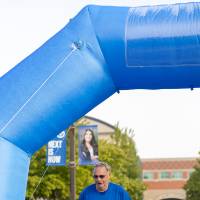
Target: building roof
{"x": 100, "y": 121}
{"x": 168, "y": 163}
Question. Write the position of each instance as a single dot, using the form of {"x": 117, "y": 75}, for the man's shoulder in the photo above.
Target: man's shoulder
{"x": 86, "y": 192}
{"x": 116, "y": 186}
{"x": 89, "y": 188}
{"x": 118, "y": 189}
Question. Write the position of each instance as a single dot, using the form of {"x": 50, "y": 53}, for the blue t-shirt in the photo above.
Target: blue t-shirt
{"x": 114, "y": 192}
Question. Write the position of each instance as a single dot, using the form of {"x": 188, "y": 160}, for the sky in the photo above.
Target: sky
{"x": 166, "y": 123}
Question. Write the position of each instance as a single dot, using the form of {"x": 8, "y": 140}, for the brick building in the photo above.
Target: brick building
{"x": 166, "y": 177}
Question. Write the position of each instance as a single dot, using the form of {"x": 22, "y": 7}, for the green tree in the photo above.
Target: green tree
{"x": 119, "y": 152}
{"x": 192, "y": 186}
{"x": 46, "y": 182}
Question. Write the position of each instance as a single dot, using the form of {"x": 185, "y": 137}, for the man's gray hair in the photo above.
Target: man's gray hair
{"x": 102, "y": 164}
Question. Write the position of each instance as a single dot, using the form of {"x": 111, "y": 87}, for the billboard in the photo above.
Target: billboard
{"x": 56, "y": 151}
{"x": 88, "y": 145}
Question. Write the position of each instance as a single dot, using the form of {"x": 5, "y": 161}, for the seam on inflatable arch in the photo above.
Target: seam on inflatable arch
{"x": 91, "y": 22}
{"x": 130, "y": 10}
{"x": 8, "y": 141}
{"x": 37, "y": 90}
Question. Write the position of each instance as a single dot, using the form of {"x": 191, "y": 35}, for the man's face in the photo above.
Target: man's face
{"x": 101, "y": 178}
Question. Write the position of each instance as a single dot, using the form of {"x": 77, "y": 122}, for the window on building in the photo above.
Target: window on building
{"x": 177, "y": 175}
{"x": 148, "y": 175}
{"x": 164, "y": 175}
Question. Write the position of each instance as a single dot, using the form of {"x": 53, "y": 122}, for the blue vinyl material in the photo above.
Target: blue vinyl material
{"x": 13, "y": 171}
{"x": 163, "y": 37}
{"x": 102, "y": 50}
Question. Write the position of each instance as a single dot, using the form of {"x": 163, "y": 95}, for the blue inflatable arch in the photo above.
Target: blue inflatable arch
{"x": 101, "y": 51}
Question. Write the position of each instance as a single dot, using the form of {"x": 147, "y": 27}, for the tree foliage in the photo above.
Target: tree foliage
{"x": 51, "y": 182}
{"x": 192, "y": 186}
{"x": 119, "y": 152}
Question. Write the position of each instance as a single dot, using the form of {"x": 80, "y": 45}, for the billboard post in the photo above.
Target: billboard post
{"x": 72, "y": 163}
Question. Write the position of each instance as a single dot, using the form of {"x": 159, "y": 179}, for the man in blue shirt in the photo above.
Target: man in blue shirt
{"x": 102, "y": 189}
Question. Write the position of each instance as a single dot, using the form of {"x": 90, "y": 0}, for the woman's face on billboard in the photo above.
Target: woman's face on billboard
{"x": 88, "y": 136}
